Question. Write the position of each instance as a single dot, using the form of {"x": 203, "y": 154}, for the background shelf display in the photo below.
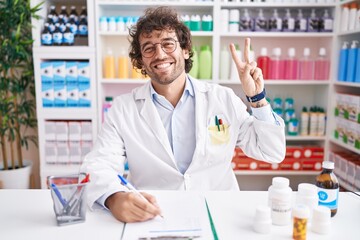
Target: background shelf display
{"x": 304, "y": 92}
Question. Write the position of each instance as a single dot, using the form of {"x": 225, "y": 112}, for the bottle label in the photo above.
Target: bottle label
{"x": 328, "y": 197}
{"x": 46, "y": 39}
{"x": 83, "y": 30}
{"x": 57, "y": 38}
{"x": 68, "y": 38}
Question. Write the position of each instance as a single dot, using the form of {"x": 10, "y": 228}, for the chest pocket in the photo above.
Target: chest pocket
{"x": 218, "y": 130}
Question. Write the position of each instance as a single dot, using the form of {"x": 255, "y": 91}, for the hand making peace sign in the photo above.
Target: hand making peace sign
{"x": 250, "y": 75}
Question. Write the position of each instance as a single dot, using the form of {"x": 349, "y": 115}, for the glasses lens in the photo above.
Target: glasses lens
{"x": 167, "y": 45}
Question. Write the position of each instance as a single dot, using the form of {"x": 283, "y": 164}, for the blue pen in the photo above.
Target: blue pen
{"x": 58, "y": 194}
{"x": 132, "y": 188}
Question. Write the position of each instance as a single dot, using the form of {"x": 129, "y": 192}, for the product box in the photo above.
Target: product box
{"x": 291, "y": 164}
{"x": 84, "y": 84}
{"x": 246, "y": 163}
{"x": 86, "y": 131}
{"x": 354, "y": 108}
{"x": 340, "y": 105}
{"x": 46, "y": 72}
{"x": 264, "y": 165}
{"x": 86, "y": 147}
{"x": 74, "y": 130}
{"x": 313, "y": 152}
{"x": 351, "y": 133}
{"x": 357, "y": 176}
{"x": 350, "y": 173}
{"x": 62, "y": 131}
{"x": 47, "y": 95}
{"x": 311, "y": 164}
{"x": 62, "y": 151}
{"x": 72, "y": 89}
{"x": 75, "y": 152}
{"x": 293, "y": 152}
{"x": 59, "y": 71}
{"x": 50, "y": 152}
{"x": 60, "y": 95}
{"x": 50, "y": 131}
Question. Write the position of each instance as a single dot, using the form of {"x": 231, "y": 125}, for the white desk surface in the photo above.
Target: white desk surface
{"x": 28, "y": 214}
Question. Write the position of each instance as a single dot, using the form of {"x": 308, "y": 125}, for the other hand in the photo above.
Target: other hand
{"x": 130, "y": 207}
{"x": 250, "y": 75}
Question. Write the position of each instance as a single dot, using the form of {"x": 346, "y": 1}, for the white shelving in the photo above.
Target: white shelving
{"x": 83, "y": 52}
{"x": 305, "y": 93}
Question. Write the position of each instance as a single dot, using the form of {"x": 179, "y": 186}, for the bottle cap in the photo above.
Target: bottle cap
{"x": 291, "y": 52}
{"x": 205, "y": 48}
{"x": 262, "y": 219}
{"x": 280, "y": 182}
{"x": 321, "y": 222}
{"x": 328, "y": 165}
{"x": 263, "y": 51}
{"x": 108, "y": 99}
{"x": 307, "y": 189}
{"x": 301, "y": 211}
{"x": 306, "y": 52}
{"x": 322, "y": 52}
{"x": 277, "y": 51}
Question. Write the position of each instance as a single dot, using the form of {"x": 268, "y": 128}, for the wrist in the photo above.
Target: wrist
{"x": 263, "y": 102}
{"x": 258, "y": 97}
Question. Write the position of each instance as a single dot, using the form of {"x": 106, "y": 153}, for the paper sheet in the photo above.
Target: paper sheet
{"x": 184, "y": 215}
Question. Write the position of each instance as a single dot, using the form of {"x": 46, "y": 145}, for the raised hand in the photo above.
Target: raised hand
{"x": 250, "y": 75}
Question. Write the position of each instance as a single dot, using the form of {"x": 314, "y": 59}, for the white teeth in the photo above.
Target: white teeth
{"x": 163, "y": 65}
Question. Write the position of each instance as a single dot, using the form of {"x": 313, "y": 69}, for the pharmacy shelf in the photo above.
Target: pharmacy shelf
{"x": 136, "y": 3}
{"x": 348, "y": 33}
{"x": 344, "y": 145}
{"x": 67, "y": 113}
{"x": 122, "y": 81}
{"x": 344, "y": 2}
{"x": 305, "y": 138}
{"x": 125, "y": 34}
{"x": 280, "y": 34}
{"x": 347, "y": 84}
{"x": 345, "y": 185}
{"x": 280, "y": 82}
{"x": 280, "y": 5}
{"x": 271, "y": 172}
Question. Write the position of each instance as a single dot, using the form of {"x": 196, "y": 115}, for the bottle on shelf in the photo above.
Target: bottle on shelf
{"x": 51, "y": 22}
{"x": 291, "y": 65}
{"x": 234, "y": 20}
{"x": 225, "y": 64}
{"x": 344, "y": 21}
{"x": 206, "y": 23}
{"x": 68, "y": 36}
{"x": 288, "y": 22}
{"x": 246, "y": 22}
{"x": 120, "y": 24}
{"x": 46, "y": 36}
{"x": 224, "y": 20}
{"x": 136, "y": 73}
{"x": 321, "y": 128}
{"x": 73, "y": 27}
{"x": 305, "y": 118}
{"x": 326, "y": 22}
{"x": 83, "y": 13}
{"x": 53, "y": 13}
{"x": 300, "y": 22}
{"x": 313, "y": 22}
{"x": 123, "y": 64}
{"x": 263, "y": 62}
{"x": 351, "y": 61}
{"x": 313, "y": 121}
{"x": 63, "y": 14}
{"x": 328, "y": 187}
{"x": 106, "y": 106}
{"x": 57, "y": 35}
{"x": 322, "y": 66}
{"x": 109, "y": 64}
{"x": 205, "y": 62}
{"x": 194, "y": 72}
{"x": 62, "y": 23}
{"x": 277, "y": 65}
{"x": 352, "y": 16}
{"x": 260, "y": 22}
{"x": 275, "y": 22}
{"x": 74, "y": 15}
{"x": 306, "y": 66}
{"x": 357, "y": 73}
{"x": 83, "y": 27}
{"x": 111, "y": 24}
{"x": 344, "y": 53}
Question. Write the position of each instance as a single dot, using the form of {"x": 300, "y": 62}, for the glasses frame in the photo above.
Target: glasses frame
{"x": 162, "y": 47}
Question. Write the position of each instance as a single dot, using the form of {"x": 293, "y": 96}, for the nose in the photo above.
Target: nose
{"x": 159, "y": 52}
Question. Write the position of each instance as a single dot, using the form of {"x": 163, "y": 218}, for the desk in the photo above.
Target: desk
{"x": 28, "y": 214}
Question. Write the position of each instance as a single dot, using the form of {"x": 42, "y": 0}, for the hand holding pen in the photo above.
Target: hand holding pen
{"x": 130, "y": 207}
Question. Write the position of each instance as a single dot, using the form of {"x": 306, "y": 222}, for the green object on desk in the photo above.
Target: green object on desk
{"x": 211, "y": 222}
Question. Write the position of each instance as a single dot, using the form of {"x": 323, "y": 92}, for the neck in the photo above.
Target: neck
{"x": 173, "y": 91}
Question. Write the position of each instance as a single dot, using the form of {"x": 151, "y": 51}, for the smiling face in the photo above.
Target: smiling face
{"x": 163, "y": 68}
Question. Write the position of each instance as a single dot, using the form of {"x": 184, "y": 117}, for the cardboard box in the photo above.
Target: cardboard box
{"x": 291, "y": 164}
{"x": 311, "y": 164}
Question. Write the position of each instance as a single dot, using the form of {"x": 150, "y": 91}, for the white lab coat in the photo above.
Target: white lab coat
{"x": 133, "y": 131}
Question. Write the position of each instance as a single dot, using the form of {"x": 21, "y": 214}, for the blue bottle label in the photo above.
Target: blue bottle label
{"x": 46, "y": 39}
{"x": 328, "y": 197}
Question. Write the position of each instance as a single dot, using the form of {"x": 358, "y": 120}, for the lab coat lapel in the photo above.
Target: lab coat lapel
{"x": 152, "y": 118}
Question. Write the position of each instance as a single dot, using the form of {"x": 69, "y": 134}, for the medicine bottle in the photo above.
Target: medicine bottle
{"x": 307, "y": 195}
{"x": 328, "y": 187}
{"x": 280, "y": 201}
{"x": 300, "y": 215}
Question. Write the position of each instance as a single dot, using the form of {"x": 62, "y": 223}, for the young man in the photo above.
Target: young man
{"x": 177, "y": 133}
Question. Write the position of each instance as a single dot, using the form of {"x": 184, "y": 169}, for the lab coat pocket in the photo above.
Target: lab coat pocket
{"x": 219, "y": 131}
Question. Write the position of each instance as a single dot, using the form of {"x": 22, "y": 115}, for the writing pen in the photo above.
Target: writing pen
{"x": 133, "y": 189}
{"x": 58, "y": 194}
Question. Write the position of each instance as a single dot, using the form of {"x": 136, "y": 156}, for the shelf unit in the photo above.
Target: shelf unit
{"x": 85, "y": 51}
{"x": 319, "y": 92}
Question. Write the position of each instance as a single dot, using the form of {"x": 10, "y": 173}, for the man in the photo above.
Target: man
{"x": 177, "y": 133}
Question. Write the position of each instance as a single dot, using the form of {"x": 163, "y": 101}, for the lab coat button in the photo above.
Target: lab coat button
{"x": 187, "y": 176}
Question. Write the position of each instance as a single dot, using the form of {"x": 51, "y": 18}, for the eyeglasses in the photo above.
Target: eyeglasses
{"x": 167, "y": 45}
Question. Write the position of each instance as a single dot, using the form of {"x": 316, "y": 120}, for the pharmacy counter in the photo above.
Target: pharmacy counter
{"x": 28, "y": 214}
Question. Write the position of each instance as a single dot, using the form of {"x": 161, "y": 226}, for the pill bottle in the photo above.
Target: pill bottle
{"x": 279, "y": 201}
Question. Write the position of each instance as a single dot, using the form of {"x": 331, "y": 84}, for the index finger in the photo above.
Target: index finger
{"x": 247, "y": 50}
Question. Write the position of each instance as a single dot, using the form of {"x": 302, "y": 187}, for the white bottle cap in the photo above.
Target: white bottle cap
{"x": 301, "y": 211}
{"x": 328, "y": 165}
{"x": 280, "y": 182}
{"x": 234, "y": 15}
{"x": 322, "y": 52}
{"x": 263, "y": 51}
{"x": 262, "y": 219}
{"x": 306, "y": 52}
{"x": 291, "y": 52}
{"x": 277, "y": 51}
{"x": 307, "y": 189}
{"x": 321, "y": 222}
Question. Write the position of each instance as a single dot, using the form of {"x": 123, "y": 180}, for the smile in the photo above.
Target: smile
{"x": 163, "y": 65}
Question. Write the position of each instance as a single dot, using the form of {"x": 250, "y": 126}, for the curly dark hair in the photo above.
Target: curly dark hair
{"x": 160, "y": 18}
